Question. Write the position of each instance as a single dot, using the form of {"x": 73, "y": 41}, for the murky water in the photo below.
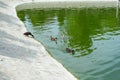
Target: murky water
{"x": 93, "y": 33}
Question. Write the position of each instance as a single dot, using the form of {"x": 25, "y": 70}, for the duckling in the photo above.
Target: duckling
{"x": 53, "y": 38}
{"x": 70, "y": 51}
{"x": 28, "y": 34}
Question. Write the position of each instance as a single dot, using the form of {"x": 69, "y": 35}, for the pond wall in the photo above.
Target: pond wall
{"x": 67, "y": 4}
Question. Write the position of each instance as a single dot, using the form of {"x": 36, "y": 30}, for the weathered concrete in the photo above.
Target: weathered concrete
{"x": 68, "y": 4}
{"x": 23, "y": 58}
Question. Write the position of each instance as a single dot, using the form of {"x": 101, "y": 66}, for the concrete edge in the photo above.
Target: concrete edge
{"x": 66, "y": 4}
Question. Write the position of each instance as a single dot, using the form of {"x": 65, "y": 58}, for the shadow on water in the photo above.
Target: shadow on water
{"x": 93, "y": 33}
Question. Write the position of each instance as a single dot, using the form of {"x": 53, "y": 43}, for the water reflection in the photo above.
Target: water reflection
{"x": 93, "y": 33}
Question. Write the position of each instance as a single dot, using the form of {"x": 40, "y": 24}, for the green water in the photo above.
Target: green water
{"x": 93, "y": 33}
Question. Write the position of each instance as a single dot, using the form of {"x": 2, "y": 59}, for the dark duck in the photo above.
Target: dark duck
{"x": 68, "y": 50}
{"x": 53, "y": 38}
{"x": 28, "y": 34}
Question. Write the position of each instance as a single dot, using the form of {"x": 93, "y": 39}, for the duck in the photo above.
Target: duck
{"x": 28, "y": 34}
{"x": 53, "y": 38}
{"x": 68, "y": 50}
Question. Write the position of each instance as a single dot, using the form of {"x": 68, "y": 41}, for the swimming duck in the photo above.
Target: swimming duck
{"x": 28, "y": 34}
{"x": 53, "y": 38}
{"x": 68, "y": 50}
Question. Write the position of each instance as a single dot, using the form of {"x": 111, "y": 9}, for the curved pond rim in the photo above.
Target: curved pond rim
{"x": 66, "y": 4}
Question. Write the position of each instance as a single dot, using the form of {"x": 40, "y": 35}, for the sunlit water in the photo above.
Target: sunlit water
{"x": 93, "y": 33}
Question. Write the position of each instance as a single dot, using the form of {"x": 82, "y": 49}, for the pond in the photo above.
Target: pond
{"x": 92, "y": 33}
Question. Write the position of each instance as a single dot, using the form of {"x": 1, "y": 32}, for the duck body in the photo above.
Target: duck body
{"x": 53, "y": 38}
{"x": 28, "y": 34}
{"x": 68, "y": 50}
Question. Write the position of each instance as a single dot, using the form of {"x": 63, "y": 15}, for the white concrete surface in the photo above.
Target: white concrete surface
{"x": 68, "y": 4}
{"x": 23, "y": 58}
